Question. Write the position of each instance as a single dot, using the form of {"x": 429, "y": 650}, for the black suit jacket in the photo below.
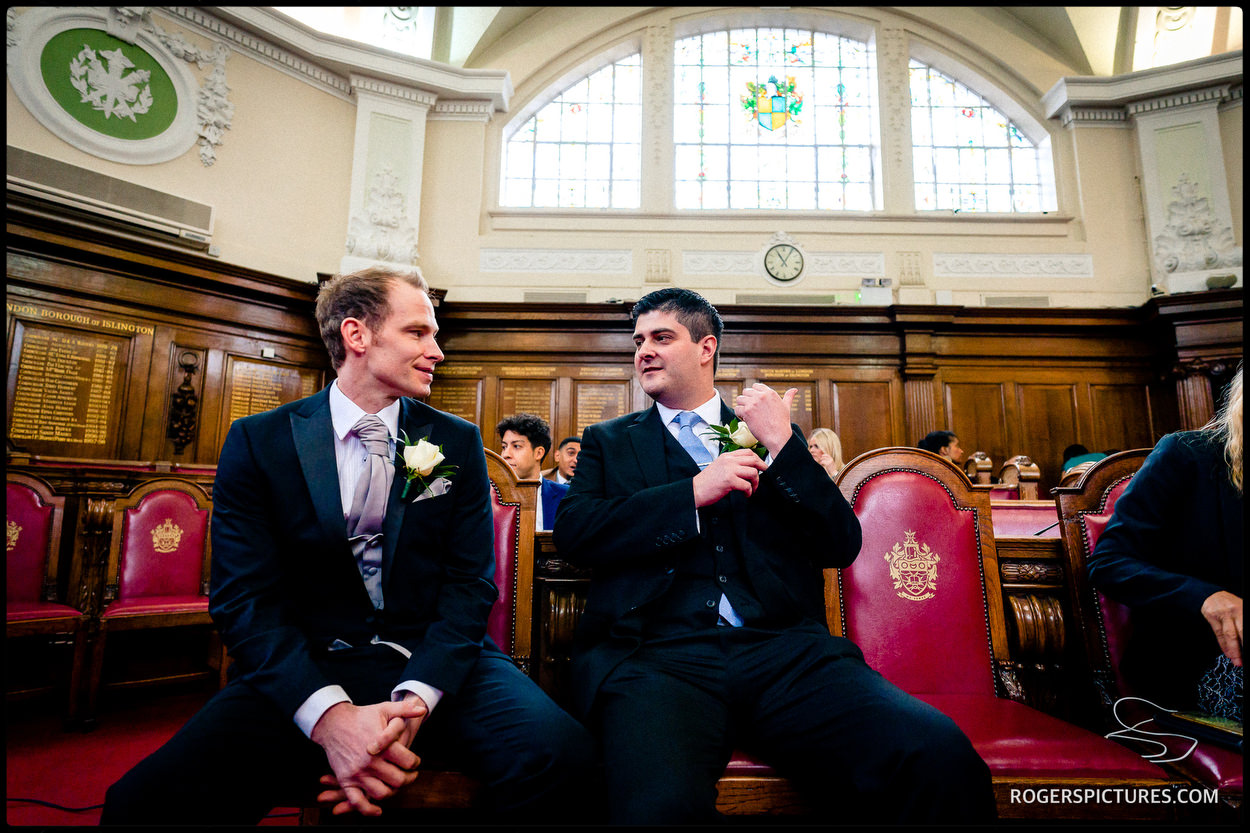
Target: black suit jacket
{"x": 285, "y": 583}
{"x": 1176, "y": 536}
{"x": 630, "y": 515}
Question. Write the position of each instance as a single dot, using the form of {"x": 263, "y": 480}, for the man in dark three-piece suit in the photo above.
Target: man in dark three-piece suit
{"x": 704, "y": 628}
{"x": 352, "y": 578}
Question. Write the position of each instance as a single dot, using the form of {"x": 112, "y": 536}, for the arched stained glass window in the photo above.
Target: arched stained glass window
{"x": 775, "y": 119}
{"x": 583, "y": 149}
{"x": 968, "y": 156}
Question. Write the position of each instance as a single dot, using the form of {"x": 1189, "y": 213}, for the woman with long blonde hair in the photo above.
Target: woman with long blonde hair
{"x": 826, "y": 449}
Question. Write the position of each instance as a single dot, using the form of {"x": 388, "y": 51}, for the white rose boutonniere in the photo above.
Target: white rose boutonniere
{"x": 424, "y": 466}
{"x": 736, "y": 435}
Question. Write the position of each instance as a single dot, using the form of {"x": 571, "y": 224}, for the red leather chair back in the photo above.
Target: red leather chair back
{"x": 507, "y": 517}
{"x": 1116, "y": 619}
{"x": 514, "y": 507}
{"x": 914, "y": 600}
{"x": 28, "y": 534}
{"x": 1085, "y": 506}
{"x": 163, "y": 547}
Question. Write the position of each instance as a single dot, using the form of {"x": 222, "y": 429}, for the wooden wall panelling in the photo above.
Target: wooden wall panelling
{"x": 1049, "y": 423}
{"x": 595, "y": 401}
{"x": 977, "y": 413}
{"x": 153, "y": 305}
{"x": 866, "y": 415}
{"x": 462, "y": 397}
{"x": 1122, "y": 417}
{"x": 70, "y": 379}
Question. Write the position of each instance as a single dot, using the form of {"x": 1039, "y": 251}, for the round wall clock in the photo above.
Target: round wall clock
{"x": 783, "y": 262}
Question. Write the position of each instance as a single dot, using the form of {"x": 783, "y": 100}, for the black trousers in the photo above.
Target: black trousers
{"x": 803, "y": 701}
{"x": 240, "y": 756}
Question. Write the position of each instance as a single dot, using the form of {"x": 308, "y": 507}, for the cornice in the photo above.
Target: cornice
{"x": 1206, "y": 79}
{"x": 329, "y": 61}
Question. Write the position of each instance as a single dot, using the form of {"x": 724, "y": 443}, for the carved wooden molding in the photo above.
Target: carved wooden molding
{"x": 1038, "y": 630}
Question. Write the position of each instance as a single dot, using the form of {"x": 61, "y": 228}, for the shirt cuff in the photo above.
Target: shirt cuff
{"x": 307, "y": 715}
{"x": 428, "y": 693}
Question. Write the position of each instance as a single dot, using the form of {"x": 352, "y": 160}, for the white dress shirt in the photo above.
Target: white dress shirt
{"x": 351, "y": 457}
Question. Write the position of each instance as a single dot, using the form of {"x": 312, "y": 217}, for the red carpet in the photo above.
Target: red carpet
{"x": 73, "y": 769}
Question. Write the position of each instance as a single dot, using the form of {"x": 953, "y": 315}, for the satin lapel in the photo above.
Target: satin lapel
{"x": 313, "y": 433}
{"x": 646, "y": 435}
{"x": 395, "y": 507}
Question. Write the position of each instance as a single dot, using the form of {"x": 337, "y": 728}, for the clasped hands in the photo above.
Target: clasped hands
{"x": 367, "y": 749}
{"x": 767, "y": 415}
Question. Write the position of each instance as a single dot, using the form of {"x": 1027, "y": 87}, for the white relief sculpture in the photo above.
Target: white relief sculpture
{"x": 213, "y": 110}
{"x": 383, "y": 233}
{"x": 10, "y": 28}
{"x": 103, "y": 82}
{"x": 1193, "y": 239}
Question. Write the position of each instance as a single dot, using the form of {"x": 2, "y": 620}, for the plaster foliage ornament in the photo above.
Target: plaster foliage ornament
{"x": 112, "y": 83}
{"x": 10, "y": 28}
{"x": 213, "y": 110}
{"x": 1193, "y": 239}
{"x": 383, "y": 233}
{"x": 109, "y": 82}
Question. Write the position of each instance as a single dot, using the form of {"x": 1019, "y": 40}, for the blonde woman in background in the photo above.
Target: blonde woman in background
{"x": 826, "y": 449}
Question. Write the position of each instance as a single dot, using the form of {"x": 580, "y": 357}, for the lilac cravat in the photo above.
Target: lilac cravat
{"x": 364, "y": 519}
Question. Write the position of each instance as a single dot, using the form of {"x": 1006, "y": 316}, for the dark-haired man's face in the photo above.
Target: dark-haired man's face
{"x": 566, "y": 459}
{"x": 520, "y": 453}
{"x": 673, "y": 369}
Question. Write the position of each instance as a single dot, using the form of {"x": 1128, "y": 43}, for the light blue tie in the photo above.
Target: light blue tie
{"x": 686, "y": 436}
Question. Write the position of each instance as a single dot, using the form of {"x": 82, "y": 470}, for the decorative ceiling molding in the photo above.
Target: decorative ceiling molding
{"x": 328, "y": 61}
{"x": 479, "y": 111}
{"x": 1073, "y": 99}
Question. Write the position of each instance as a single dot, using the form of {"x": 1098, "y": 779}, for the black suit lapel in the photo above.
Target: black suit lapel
{"x": 396, "y": 507}
{"x": 646, "y": 436}
{"x": 313, "y": 433}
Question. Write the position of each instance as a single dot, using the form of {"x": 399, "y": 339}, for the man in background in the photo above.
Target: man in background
{"x": 525, "y": 439}
{"x": 565, "y": 461}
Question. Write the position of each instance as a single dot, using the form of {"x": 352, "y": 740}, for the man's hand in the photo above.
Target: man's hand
{"x": 735, "y": 471}
{"x": 367, "y": 748}
{"x": 1222, "y": 610}
{"x": 767, "y": 414}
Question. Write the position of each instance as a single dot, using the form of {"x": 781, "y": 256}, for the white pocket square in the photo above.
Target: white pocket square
{"x": 438, "y": 487}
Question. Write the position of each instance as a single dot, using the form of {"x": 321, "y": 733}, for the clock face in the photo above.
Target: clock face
{"x": 783, "y": 262}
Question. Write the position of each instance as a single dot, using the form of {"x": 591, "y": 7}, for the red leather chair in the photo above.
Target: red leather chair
{"x": 158, "y": 572}
{"x": 33, "y": 519}
{"x": 1104, "y": 625}
{"x": 514, "y": 504}
{"x": 924, "y": 603}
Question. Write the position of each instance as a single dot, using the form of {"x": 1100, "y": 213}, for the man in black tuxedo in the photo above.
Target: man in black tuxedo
{"x": 347, "y": 652}
{"x": 704, "y": 628}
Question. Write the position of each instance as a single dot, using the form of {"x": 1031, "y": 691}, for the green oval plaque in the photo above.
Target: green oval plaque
{"x": 113, "y": 87}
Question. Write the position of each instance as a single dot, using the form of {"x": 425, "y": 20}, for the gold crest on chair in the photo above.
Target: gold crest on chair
{"x": 165, "y": 537}
{"x": 913, "y": 567}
